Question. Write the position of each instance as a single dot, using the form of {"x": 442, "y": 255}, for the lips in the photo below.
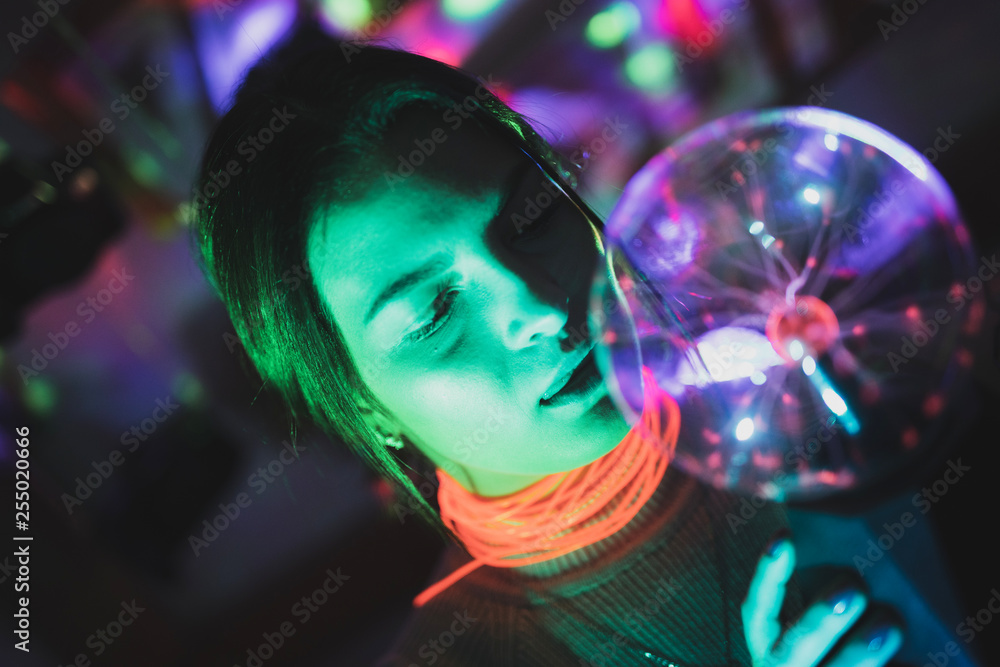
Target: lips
{"x": 568, "y": 371}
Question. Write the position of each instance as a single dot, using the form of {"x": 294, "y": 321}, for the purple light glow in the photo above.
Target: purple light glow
{"x": 228, "y": 45}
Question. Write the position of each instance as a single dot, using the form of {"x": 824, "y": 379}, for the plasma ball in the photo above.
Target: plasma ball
{"x": 785, "y": 275}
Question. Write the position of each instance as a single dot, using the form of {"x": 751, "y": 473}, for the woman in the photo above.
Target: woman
{"x": 443, "y": 331}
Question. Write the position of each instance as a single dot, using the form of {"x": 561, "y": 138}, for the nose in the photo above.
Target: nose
{"x": 533, "y": 312}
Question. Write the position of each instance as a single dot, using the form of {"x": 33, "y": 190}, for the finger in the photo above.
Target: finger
{"x": 872, "y": 642}
{"x": 765, "y": 596}
{"x": 822, "y": 625}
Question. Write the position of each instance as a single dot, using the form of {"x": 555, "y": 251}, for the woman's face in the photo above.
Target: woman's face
{"x": 463, "y": 312}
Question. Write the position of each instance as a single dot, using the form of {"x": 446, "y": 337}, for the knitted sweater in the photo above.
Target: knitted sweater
{"x": 669, "y": 583}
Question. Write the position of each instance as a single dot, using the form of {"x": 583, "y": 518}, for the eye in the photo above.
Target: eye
{"x": 441, "y": 311}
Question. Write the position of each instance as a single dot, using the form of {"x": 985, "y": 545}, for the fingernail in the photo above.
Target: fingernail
{"x": 775, "y": 547}
{"x": 878, "y": 637}
{"x": 840, "y": 600}
{"x": 777, "y": 542}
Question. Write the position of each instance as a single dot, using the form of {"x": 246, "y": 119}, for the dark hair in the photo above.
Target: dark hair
{"x": 251, "y": 216}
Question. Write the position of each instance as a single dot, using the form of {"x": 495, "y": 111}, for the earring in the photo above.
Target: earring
{"x": 393, "y": 441}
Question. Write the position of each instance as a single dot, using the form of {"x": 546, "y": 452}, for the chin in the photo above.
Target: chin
{"x": 595, "y": 447}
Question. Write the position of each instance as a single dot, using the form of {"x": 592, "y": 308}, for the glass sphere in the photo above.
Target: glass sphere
{"x": 800, "y": 281}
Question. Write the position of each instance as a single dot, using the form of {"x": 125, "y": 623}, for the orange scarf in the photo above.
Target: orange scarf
{"x": 549, "y": 518}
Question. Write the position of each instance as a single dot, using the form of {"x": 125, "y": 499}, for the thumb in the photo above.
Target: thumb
{"x": 761, "y": 608}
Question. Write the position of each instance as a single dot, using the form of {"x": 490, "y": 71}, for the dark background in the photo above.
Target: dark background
{"x": 165, "y": 338}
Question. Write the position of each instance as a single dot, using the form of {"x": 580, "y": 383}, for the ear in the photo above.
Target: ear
{"x": 378, "y": 419}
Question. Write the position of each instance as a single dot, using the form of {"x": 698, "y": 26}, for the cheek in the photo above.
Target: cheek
{"x": 456, "y": 414}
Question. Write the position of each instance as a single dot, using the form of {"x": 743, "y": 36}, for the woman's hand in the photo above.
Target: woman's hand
{"x": 828, "y": 630}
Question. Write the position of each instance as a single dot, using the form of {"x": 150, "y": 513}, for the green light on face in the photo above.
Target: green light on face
{"x": 348, "y": 14}
{"x": 466, "y": 10}
{"x": 651, "y": 67}
{"x": 610, "y": 27}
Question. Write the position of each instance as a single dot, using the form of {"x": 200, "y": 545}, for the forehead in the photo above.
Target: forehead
{"x": 391, "y": 228}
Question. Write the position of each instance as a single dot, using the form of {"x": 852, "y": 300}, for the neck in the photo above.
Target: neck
{"x": 491, "y": 484}
{"x": 560, "y": 517}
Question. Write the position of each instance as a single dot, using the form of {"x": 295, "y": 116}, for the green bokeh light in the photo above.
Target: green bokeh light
{"x": 348, "y": 14}
{"x": 465, "y": 10}
{"x": 188, "y": 388}
{"x": 652, "y": 68}
{"x": 40, "y": 396}
{"x": 610, "y": 27}
{"x": 145, "y": 168}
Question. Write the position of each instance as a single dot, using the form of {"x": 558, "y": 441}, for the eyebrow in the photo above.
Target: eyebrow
{"x": 440, "y": 260}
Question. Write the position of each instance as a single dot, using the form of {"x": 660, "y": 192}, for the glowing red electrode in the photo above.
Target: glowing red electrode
{"x": 810, "y": 321}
